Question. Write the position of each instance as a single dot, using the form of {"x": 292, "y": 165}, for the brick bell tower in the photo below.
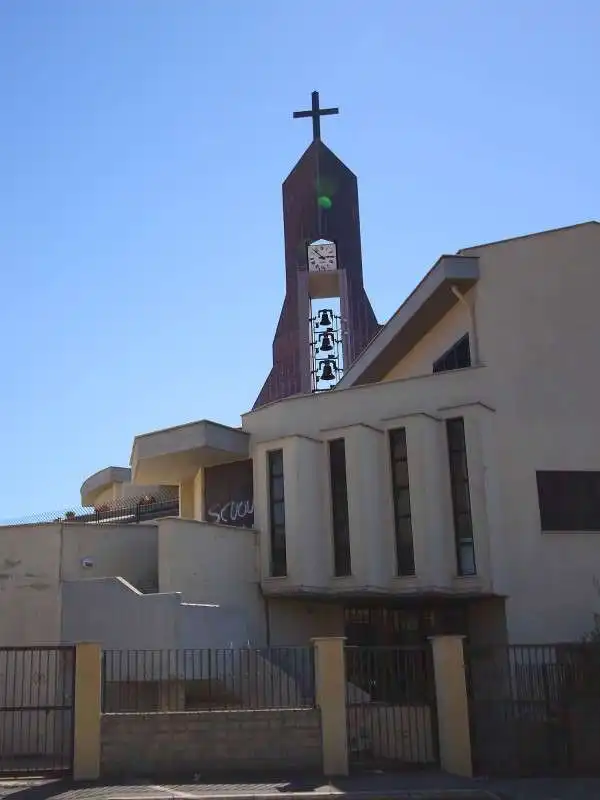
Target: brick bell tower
{"x": 327, "y": 319}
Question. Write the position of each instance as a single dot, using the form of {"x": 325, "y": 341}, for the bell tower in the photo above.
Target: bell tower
{"x": 327, "y": 319}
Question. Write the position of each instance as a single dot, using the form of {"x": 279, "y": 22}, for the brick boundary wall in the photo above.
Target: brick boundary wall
{"x": 189, "y": 742}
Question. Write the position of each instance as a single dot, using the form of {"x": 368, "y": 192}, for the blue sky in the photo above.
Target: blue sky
{"x": 142, "y": 148}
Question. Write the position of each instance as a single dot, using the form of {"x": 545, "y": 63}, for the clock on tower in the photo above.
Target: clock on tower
{"x": 321, "y": 257}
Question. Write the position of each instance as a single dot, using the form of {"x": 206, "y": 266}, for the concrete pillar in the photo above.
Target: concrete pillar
{"x": 87, "y": 712}
{"x": 452, "y": 705}
{"x": 199, "y": 506}
{"x": 370, "y": 511}
{"x": 330, "y": 670}
{"x": 431, "y": 504}
{"x": 186, "y": 499}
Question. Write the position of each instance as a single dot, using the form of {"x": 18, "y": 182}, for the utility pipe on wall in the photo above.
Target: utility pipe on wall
{"x": 471, "y": 311}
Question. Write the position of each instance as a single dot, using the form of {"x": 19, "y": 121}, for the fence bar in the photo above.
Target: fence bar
{"x": 391, "y": 706}
{"x": 207, "y": 679}
{"x": 36, "y": 710}
{"x": 534, "y": 709}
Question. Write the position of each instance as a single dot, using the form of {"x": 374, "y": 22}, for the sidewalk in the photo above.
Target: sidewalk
{"x": 405, "y": 786}
{"x": 400, "y": 786}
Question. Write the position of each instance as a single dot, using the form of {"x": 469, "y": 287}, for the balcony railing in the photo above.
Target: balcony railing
{"x": 132, "y": 510}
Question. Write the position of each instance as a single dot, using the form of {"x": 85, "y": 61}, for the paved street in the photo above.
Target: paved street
{"x": 415, "y": 786}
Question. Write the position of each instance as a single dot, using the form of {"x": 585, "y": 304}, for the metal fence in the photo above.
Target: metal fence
{"x": 390, "y": 698}
{"x": 129, "y": 510}
{"x": 202, "y": 679}
{"x": 37, "y": 686}
{"x": 534, "y": 709}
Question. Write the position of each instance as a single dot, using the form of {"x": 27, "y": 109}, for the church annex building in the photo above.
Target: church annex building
{"x": 436, "y": 474}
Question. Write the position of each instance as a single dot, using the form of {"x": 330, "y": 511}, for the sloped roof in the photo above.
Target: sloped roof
{"x": 423, "y": 308}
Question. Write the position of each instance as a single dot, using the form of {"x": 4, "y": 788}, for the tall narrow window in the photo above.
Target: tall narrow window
{"x": 277, "y": 514}
{"x": 405, "y": 554}
{"x": 339, "y": 506}
{"x": 461, "y": 496}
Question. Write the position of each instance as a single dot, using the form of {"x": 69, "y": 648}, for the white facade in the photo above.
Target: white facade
{"x": 528, "y": 401}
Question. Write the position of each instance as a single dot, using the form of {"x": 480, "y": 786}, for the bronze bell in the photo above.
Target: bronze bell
{"x": 325, "y": 319}
{"x": 326, "y": 342}
{"x": 328, "y": 374}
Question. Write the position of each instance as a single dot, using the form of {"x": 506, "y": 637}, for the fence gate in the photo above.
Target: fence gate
{"x": 36, "y": 710}
{"x": 534, "y": 709}
{"x": 390, "y": 699}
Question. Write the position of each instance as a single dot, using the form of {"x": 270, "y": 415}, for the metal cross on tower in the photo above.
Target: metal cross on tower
{"x": 316, "y": 113}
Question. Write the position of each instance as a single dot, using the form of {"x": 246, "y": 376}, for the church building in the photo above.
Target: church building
{"x": 439, "y": 473}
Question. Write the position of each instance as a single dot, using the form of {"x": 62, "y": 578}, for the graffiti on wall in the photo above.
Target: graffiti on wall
{"x": 229, "y": 494}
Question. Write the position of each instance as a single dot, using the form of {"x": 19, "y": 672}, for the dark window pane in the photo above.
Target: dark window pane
{"x": 279, "y": 564}
{"x": 461, "y": 498}
{"x": 406, "y": 560}
{"x": 339, "y": 505}
{"x": 405, "y": 563}
{"x": 277, "y": 489}
{"x": 276, "y": 463}
{"x": 405, "y": 533}
{"x": 277, "y": 514}
{"x": 401, "y": 473}
{"x": 398, "y": 443}
{"x": 466, "y": 558}
{"x": 569, "y": 501}
{"x": 456, "y": 435}
{"x": 457, "y": 357}
{"x": 458, "y": 464}
{"x": 464, "y": 526}
{"x": 403, "y": 502}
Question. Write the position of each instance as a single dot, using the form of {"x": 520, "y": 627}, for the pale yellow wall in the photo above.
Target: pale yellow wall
{"x": 448, "y": 331}
{"x": 126, "y": 551}
{"x": 199, "y": 510}
{"x": 29, "y": 584}
{"x": 363, "y": 417}
{"x": 118, "y": 492}
{"x": 34, "y": 559}
{"x": 293, "y": 623}
{"x": 538, "y": 328}
{"x": 309, "y": 562}
{"x": 533, "y": 406}
{"x": 107, "y": 496}
{"x": 134, "y": 491}
{"x": 212, "y": 564}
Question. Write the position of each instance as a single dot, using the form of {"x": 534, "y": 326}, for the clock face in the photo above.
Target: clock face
{"x": 322, "y": 257}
